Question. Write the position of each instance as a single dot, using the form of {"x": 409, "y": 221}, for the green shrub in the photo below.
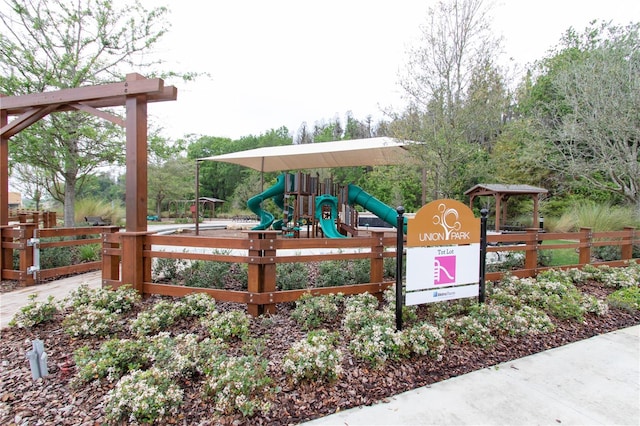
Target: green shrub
{"x": 292, "y": 276}
{"x": 468, "y": 329}
{"x": 424, "y": 339}
{"x": 168, "y": 269}
{"x": 626, "y": 298}
{"x": 158, "y": 318}
{"x": 89, "y": 252}
{"x": 183, "y": 355}
{"x": 120, "y": 300}
{"x": 55, "y": 257}
{"x": 206, "y": 274}
{"x": 312, "y": 311}
{"x": 91, "y": 321}
{"x": 227, "y": 325}
{"x": 143, "y": 397}
{"x": 239, "y": 384}
{"x": 114, "y": 359}
{"x": 339, "y": 272}
{"x": 314, "y": 358}
{"x": 34, "y": 313}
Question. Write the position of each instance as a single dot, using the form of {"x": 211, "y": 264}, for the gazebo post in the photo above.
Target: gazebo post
{"x": 498, "y": 198}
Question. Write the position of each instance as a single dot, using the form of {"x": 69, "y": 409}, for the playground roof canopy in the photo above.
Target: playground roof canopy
{"x": 356, "y": 152}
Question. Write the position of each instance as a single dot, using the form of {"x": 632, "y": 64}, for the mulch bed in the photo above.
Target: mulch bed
{"x": 53, "y": 400}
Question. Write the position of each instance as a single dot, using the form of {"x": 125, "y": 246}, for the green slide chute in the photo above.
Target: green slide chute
{"x": 367, "y": 201}
{"x": 254, "y": 203}
{"x": 327, "y": 221}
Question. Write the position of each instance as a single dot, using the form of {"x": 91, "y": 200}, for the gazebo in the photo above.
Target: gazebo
{"x": 502, "y": 193}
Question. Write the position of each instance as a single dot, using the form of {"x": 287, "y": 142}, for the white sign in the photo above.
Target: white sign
{"x": 438, "y": 295}
{"x": 442, "y": 266}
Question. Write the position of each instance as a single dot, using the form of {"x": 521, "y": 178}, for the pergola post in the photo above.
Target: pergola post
{"x": 6, "y": 255}
{"x": 133, "y": 267}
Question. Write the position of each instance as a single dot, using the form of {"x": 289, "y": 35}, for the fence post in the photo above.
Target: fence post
{"x": 26, "y": 254}
{"x": 627, "y": 243}
{"x": 110, "y": 263}
{"x": 6, "y": 254}
{"x": 531, "y": 250}
{"x": 376, "y": 271}
{"x": 262, "y": 269}
{"x": 584, "y": 257}
{"x": 133, "y": 265}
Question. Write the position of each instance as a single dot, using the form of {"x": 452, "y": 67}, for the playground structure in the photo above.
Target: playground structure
{"x": 322, "y": 207}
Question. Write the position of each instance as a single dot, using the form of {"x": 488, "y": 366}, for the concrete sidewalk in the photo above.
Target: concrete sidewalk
{"x": 11, "y": 302}
{"x": 591, "y": 382}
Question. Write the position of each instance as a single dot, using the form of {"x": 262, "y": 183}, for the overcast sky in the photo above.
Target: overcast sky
{"x": 279, "y": 63}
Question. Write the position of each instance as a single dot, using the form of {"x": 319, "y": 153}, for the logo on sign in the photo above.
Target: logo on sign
{"x": 444, "y": 270}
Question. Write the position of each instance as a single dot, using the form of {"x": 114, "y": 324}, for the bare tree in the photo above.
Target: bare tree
{"x": 450, "y": 80}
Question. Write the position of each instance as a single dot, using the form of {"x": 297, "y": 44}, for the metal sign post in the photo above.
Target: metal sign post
{"x": 399, "y": 254}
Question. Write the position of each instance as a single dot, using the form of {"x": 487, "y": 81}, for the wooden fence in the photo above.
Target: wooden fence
{"x": 263, "y": 250}
{"x": 26, "y": 242}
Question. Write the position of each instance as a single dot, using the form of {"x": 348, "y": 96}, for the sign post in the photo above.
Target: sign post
{"x": 399, "y": 254}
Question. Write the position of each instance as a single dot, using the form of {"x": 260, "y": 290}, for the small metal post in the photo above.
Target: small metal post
{"x": 399, "y": 254}
{"x": 483, "y": 253}
{"x": 38, "y": 360}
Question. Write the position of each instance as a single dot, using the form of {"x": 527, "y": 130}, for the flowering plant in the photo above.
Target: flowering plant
{"x": 34, "y": 312}
{"x": 314, "y": 358}
{"x": 143, "y": 397}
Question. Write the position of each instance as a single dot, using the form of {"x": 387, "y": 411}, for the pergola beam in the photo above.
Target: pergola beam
{"x": 83, "y": 94}
{"x": 134, "y": 94}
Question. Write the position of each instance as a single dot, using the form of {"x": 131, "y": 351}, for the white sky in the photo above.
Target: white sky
{"x": 275, "y": 63}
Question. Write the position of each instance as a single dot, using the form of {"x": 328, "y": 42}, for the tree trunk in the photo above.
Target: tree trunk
{"x": 69, "y": 202}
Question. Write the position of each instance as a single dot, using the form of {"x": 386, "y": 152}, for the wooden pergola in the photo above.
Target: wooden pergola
{"x": 501, "y": 194}
{"x": 134, "y": 94}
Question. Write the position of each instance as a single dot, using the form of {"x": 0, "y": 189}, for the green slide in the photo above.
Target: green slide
{"x": 254, "y": 203}
{"x": 358, "y": 196}
{"x": 327, "y": 223}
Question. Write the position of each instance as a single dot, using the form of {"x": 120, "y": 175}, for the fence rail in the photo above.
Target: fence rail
{"x": 21, "y": 244}
{"x": 127, "y": 257}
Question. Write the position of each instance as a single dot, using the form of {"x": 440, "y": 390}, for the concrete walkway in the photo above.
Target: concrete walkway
{"x": 11, "y": 302}
{"x": 591, "y": 382}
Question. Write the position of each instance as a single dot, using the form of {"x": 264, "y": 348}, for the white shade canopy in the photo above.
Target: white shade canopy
{"x": 380, "y": 151}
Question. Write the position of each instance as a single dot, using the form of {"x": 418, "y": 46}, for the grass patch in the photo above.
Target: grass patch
{"x": 560, "y": 257}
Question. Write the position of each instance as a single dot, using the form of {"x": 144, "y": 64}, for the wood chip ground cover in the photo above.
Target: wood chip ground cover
{"x": 53, "y": 400}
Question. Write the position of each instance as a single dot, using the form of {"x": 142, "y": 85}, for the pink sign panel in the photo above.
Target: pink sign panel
{"x": 444, "y": 269}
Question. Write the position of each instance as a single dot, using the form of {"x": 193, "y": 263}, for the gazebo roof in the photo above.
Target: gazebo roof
{"x": 497, "y": 188}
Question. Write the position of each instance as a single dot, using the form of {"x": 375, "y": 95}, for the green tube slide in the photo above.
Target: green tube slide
{"x": 328, "y": 223}
{"x": 367, "y": 201}
{"x": 254, "y": 203}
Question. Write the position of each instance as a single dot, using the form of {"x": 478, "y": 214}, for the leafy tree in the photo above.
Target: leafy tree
{"x": 101, "y": 186}
{"x": 172, "y": 179}
{"x": 58, "y": 44}
{"x": 216, "y": 179}
{"x": 585, "y": 102}
{"x": 219, "y": 179}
